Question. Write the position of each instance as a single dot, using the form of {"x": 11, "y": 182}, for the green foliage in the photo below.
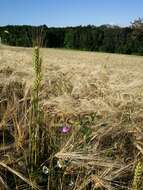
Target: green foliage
{"x": 69, "y": 39}
{"x": 105, "y": 38}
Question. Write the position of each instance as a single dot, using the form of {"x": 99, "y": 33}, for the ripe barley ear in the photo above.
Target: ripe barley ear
{"x": 137, "y": 181}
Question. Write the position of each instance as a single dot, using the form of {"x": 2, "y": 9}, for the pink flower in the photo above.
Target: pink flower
{"x": 65, "y": 129}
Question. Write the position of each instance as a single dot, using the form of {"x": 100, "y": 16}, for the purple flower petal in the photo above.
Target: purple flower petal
{"x": 65, "y": 129}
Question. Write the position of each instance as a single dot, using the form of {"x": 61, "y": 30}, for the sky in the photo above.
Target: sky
{"x": 61, "y": 13}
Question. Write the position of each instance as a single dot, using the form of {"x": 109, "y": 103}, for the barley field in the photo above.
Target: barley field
{"x": 96, "y": 97}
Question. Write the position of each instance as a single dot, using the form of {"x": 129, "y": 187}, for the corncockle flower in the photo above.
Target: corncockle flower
{"x": 65, "y": 129}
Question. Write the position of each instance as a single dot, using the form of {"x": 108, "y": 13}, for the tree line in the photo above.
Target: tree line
{"x": 104, "y": 38}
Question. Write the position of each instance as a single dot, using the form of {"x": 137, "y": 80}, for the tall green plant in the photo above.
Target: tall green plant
{"x": 34, "y": 128}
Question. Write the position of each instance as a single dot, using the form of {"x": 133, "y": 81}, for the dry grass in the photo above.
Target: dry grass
{"x": 100, "y": 96}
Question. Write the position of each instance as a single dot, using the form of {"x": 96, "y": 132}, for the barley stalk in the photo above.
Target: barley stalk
{"x": 137, "y": 182}
{"x": 34, "y": 129}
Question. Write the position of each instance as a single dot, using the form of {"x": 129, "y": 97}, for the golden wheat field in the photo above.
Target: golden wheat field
{"x": 100, "y": 92}
{"x": 97, "y": 81}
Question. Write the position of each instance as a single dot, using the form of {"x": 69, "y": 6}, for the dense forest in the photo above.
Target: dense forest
{"x": 104, "y": 38}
